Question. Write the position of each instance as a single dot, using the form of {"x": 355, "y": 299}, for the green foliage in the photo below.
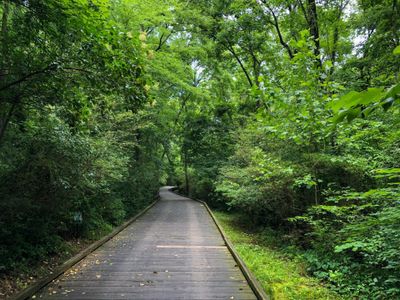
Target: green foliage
{"x": 57, "y": 174}
{"x": 258, "y": 185}
{"x": 355, "y": 239}
{"x": 284, "y": 278}
{"x": 272, "y": 185}
{"x": 78, "y": 148}
{"x": 361, "y": 104}
{"x": 240, "y": 103}
{"x": 288, "y": 85}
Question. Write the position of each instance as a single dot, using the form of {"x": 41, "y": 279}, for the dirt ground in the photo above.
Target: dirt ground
{"x": 12, "y": 284}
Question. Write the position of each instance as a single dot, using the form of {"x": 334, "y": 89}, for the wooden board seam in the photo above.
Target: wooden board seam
{"x": 253, "y": 282}
{"x": 35, "y": 287}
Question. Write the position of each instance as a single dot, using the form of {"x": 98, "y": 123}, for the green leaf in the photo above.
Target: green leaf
{"x": 346, "y": 101}
{"x": 339, "y": 117}
{"x": 352, "y": 114}
{"x": 394, "y": 91}
{"x": 366, "y": 112}
{"x": 396, "y": 50}
{"x": 370, "y": 96}
{"x": 354, "y": 246}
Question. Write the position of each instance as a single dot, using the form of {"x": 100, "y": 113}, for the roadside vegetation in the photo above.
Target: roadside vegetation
{"x": 278, "y": 267}
{"x": 283, "y": 112}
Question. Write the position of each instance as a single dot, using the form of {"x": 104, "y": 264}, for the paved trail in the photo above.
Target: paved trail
{"x": 173, "y": 251}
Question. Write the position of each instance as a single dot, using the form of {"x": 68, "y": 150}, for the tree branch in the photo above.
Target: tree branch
{"x": 51, "y": 67}
{"x": 232, "y": 51}
{"x": 275, "y": 23}
{"x": 303, "y": 9}
{"x": 162, "y": 42}
{"x": 26, "y": 77}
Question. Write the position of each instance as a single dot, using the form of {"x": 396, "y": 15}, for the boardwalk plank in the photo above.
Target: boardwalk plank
{"x": 174, "y": 251}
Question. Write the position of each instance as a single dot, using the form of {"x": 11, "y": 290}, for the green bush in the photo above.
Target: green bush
{"x": 258, "y": 185}
{"x": 57, "y": 175}
{"x": 355, "y": 241}
{"x": 272, "y": 189}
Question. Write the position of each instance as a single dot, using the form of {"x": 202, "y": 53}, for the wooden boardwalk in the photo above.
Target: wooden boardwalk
{"x": 174, "y": 251}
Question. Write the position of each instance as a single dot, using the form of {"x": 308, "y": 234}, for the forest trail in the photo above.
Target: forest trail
{"x": 173, "y": 251}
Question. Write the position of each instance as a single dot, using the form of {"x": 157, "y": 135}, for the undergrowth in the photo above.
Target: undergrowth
{"x": 281, "y": 273}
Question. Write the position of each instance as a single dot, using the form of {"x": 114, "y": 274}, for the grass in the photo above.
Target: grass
{"x": 282, "y": 276}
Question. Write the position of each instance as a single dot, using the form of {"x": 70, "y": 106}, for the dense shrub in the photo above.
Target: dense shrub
{"x": 258, "y": 185}
{"x": 272, "y": 187}
{"x": 355, "y": 241}
{"x": 57, "y": 175}
{"x": 342, "y": 216}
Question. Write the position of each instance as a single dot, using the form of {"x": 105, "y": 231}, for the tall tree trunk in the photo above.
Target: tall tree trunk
{"x": 314, "y": 28}
{"x": 6, "y": 119}
{"x": 4, "y": 33}
{"x": 5, "y": 111}
{"x": 186, "y": 167}
{"x": 334, "y": 54}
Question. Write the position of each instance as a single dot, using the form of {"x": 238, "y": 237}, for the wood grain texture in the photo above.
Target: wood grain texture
{"x": 173, "y": 251}
{"x": 35, "y": 287}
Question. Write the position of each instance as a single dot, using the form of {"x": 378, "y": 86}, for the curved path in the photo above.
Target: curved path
{"x": 173, "y": 251}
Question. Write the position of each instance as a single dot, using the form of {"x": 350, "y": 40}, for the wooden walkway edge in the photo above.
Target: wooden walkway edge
{"x": 173, "y": 249}
{"x": 37, "y": 286}
{"x": 251, "y": 279}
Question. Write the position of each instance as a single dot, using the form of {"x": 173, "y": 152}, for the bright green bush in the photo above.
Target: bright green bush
{"x": 258, "y": 185}
{"x": 355, "y": 239}
{"x": 272, "y": 186}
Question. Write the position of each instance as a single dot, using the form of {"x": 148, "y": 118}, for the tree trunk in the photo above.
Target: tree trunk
{"x": 4, "y": 121}
{"x": 314, "y": 29}
{"x": 185, "y": 158}
{"x": 4, "y": 31}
